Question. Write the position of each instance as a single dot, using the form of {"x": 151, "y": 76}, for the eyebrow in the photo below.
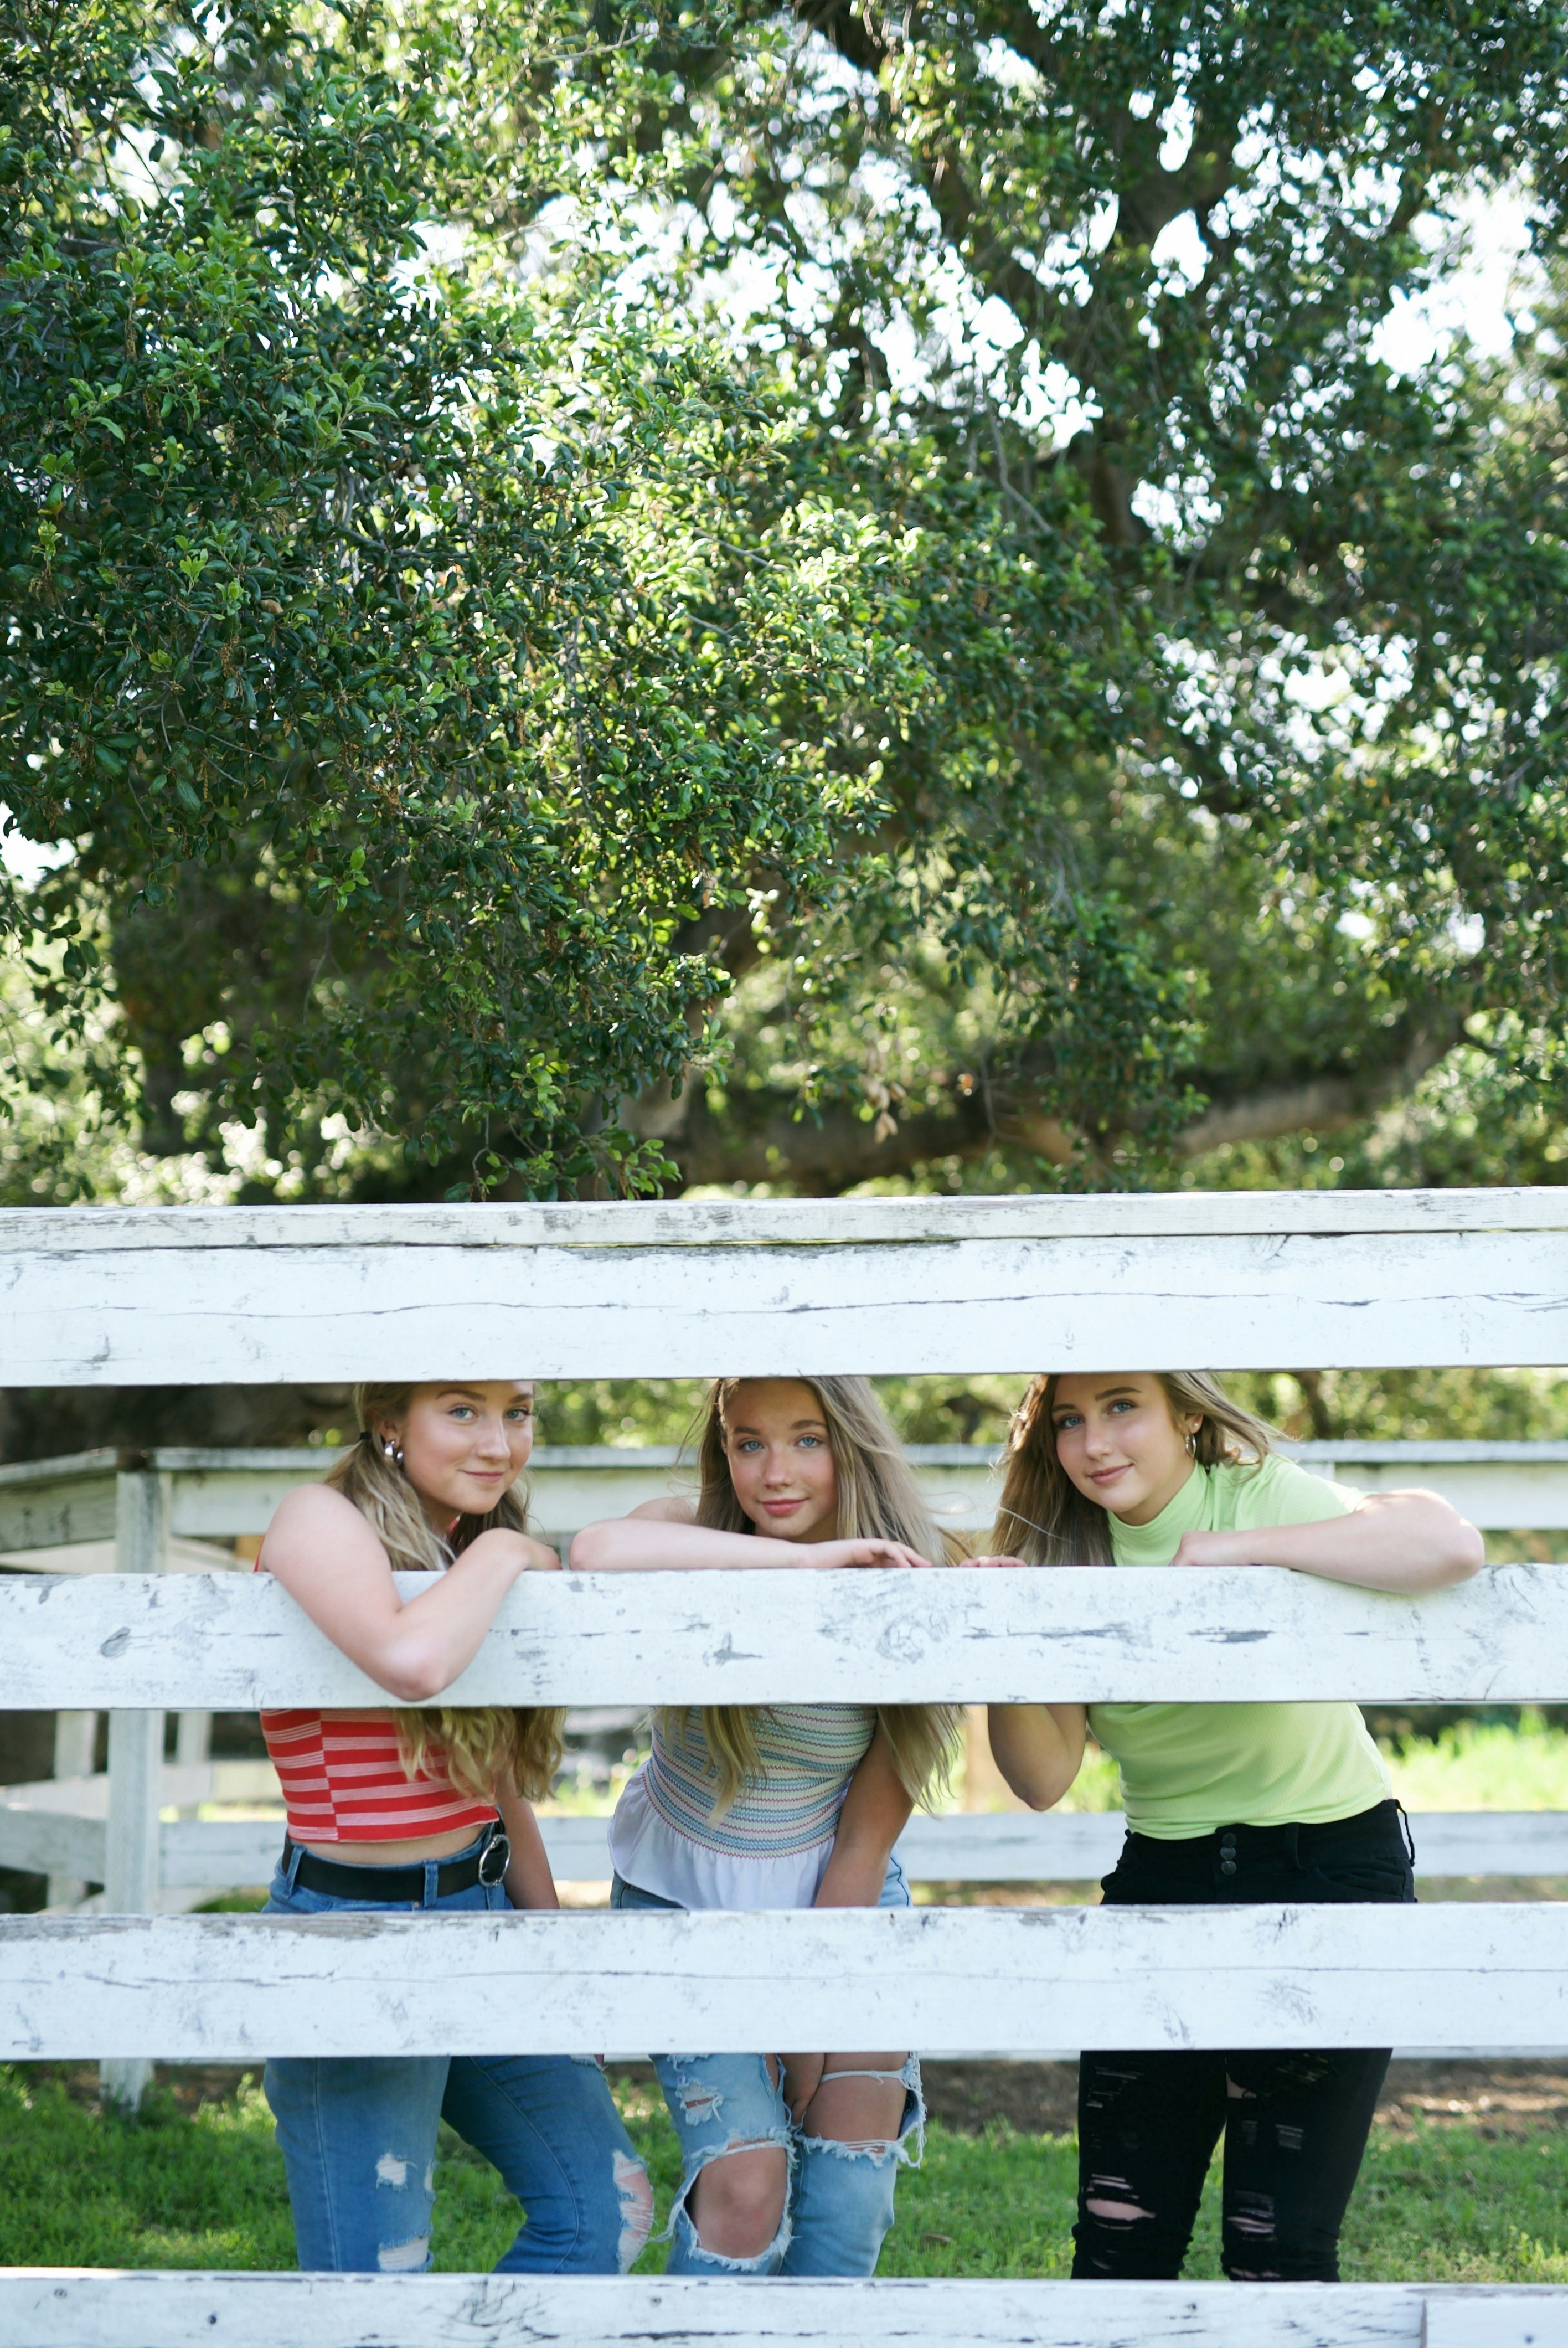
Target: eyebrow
{"x": 1127, "y": 1386}
{"x": 742, "y": 1426}
{"x": 475, "y": 1393}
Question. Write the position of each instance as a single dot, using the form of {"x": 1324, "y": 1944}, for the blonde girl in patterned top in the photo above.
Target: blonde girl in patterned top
{"x": 789, "y": 2159}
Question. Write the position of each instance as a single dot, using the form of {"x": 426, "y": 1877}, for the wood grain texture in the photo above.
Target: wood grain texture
{"x": 233, "y": 1642}
{"x": 1461, "y": 1977}
{"x": 346, "y": 1307}
{"x": 787, "y": 1222}
{"x": 64, "y": 2306}
{"x": 1476, "y": 2316}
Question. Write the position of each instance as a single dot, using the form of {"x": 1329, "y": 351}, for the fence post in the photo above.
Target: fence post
{"x": 76, "y": 1735}
{"x": 192, "y": 1738}
{"x": 136, "y": 1761}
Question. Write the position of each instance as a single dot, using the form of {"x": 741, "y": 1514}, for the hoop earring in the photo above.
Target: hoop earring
{"x": 1192, "y": 1446}
{"x": 393, "y": 1453}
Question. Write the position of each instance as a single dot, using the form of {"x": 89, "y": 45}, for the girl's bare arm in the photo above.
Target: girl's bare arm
{"x": 1038, "y": 1748}
{"x": 330, "y": 1561}
{"x": 875, "y": 1814}
{"x": 660, "y": 1538}
{"x": 528, "y": 1880}
{"x": 1391, "y": 1540}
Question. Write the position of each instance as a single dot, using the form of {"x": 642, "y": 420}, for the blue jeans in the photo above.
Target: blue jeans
{"x": 358, "y": 2139}
{"x": 839, "y": 2203}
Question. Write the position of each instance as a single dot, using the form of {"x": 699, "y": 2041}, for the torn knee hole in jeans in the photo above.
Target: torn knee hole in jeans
{"x": 1111, "y": 2199}
{"x": 880, "y": 2149}
{"x": 779, "y": 2240}
{"x": 391, "y": 2171}
{"x": 700, "y": 2102}
{"x": 402, "y": 2258}
{"x": 1255, "y": 2218}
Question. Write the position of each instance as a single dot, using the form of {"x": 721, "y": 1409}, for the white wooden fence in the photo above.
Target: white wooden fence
{"x": 58, "y": 1516}
{"x": 950, "y": 1285}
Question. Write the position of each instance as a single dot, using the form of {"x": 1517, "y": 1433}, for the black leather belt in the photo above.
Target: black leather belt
{"x": 401, "y": 1883}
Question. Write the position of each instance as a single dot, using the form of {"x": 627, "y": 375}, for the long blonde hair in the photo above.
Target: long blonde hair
{"x": 878, "y": 1499}
{"x": 479, "y": 1746}
{"x": 1046, "y": 1519}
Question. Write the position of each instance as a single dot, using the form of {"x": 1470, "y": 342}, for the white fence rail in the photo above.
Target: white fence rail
{"x": 64, "y": 2307}
{"x": 233, "y": 1642}
{"x": 955, "y": 1286}
{"x": 1342, "y": 1279}
{"x": 1466, "y": 1977}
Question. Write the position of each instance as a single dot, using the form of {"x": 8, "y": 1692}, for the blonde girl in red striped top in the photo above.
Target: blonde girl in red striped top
{"x": 405, "y": 1807}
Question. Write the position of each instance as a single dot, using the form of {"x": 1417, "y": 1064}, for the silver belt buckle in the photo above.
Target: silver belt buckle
{"x": 494, "y": 1861}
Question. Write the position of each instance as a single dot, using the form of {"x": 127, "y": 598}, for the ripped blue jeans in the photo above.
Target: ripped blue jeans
{"x": 358, "y": 2139}
{"x": 839, "y": 2203}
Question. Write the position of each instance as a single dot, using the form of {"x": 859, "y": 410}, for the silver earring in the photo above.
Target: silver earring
{"x": 393, "y": 1452}
{"x": 1192, "y": 1446}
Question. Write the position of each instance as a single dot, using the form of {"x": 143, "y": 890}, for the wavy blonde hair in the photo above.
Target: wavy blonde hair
{"x": 878, "y": 1499}
{"x": 478, "y": 1747}
{"x": 1043, "y": 1517}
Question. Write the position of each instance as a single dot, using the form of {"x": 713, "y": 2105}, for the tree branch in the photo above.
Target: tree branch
{"x": 762, "y": 1136}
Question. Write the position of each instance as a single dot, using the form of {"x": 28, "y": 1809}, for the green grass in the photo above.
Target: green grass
{"x": 205, "y": 2188}
{"x": 1483, "y": 1765}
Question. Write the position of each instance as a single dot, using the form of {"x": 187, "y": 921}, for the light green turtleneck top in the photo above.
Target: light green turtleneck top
{"x": 1187, "y": 1768}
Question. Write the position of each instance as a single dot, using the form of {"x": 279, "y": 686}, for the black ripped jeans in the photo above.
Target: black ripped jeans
{"x": 1295, "y": 2125}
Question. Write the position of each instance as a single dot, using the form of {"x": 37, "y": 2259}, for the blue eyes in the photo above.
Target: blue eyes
{"x": 1119, "y": 1408}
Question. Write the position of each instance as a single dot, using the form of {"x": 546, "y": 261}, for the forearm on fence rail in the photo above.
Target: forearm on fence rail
{"x": 1403, "y": 1541}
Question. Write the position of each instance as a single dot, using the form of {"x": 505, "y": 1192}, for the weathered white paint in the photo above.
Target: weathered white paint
{"x": 66, "y": 2307}
{"x": 76, "y": 1740}
{"x": 231, "y": 1643}
{"x": 134, "y": 1758}
{"x": 793, "y": 1222}
{"x": 51, "y": 1503}
{"x": 129, "y": 1873}
{"x": 1480, "y": 2316}
{"x": 1467, "y": 1977}
{"x": 211, "y": 1294}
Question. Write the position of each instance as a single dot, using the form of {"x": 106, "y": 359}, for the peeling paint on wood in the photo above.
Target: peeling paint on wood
{"x": 185, "y": 1310}
{"x": 61, "y": 2307}
{"x": 1457, "y": 1976}
{"x": 231, "y": 1643}
{"x": 789, "y": 1222}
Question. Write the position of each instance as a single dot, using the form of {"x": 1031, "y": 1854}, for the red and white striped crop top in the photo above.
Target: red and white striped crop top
{"x": 344, "y": 1782}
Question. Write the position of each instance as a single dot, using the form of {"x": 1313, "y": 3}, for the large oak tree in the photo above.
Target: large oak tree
{"x": 884, "y": 616}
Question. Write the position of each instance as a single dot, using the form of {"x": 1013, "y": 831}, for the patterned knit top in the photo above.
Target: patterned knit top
{"x": 769, "y": 1847}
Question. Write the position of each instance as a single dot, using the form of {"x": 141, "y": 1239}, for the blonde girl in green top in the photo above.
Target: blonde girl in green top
{"x": 1225, "y": 1802}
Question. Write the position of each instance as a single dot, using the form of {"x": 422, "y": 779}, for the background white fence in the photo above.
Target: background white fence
{"x": 967, "y": 1285}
